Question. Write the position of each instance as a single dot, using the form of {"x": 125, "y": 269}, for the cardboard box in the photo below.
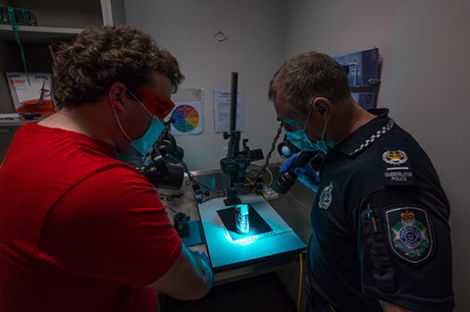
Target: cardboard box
{"x": 33, "y": 96}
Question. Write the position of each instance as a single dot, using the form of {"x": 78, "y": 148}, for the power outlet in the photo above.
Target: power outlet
{"x": 269, "y": 194}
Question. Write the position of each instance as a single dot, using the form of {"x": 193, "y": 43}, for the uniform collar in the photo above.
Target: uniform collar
{"x": 367, "y": 134}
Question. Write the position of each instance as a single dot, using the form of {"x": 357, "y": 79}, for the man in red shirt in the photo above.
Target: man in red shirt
{"x": 79, "y": 229}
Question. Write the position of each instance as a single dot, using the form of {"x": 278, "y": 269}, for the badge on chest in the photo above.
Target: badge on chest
{"x": 398, "y": 170}
{"x": 326, "y": 197}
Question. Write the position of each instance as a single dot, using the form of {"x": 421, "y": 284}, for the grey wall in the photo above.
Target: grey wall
{"x": 255, "y": 49}
{"x": 425, "y": 45}
{"x": 425, "y": 76}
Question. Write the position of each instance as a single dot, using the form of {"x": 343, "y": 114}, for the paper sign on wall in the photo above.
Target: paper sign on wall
{"x": 222, "y": 99}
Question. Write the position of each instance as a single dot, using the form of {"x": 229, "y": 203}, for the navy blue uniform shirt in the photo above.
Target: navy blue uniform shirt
{"x": 380, "y": 224}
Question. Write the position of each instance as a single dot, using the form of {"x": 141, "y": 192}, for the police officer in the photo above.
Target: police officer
{"x": 381, "y": 238}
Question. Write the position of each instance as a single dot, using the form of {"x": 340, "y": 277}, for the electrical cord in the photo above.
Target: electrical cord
{"x": 271, "y": 177}
{"x": 216, "y": 192}
{"x": 192, "y": 180}
{"x": 174, "y": 211}
{"x": 299, "y": 294}
{"x": 252, "y": 184}
{"x": 207, "y": 198}
{"x": 14, "y": 26}
{"x": 268, "y": 156}
{"x": 168, "y": 198}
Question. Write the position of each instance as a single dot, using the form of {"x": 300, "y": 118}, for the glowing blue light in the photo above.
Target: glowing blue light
{"x": 242, "y": 241}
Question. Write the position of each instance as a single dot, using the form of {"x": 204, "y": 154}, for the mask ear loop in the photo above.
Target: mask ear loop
{"x": 322, "y": 138}
{"x": 324, "y": 127}
{"x": 140, "y": 102}
{"x": 120, "y": 126}
{"x": 148, "y": 112}
{"x": 324, "y": 130}
{"x": 308, "y": 118}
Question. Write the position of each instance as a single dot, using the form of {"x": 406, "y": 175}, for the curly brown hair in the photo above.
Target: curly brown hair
{"x": 84, "y": 69}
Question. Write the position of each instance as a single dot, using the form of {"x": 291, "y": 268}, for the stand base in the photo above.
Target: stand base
{"x": 232, "y": 202}
{"x": 257, "y": 223}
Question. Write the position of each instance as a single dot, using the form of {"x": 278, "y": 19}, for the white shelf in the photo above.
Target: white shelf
{"x": 38, "y": 34}
{"x": 59, "y": 5}
{"x": 14, "y": 123}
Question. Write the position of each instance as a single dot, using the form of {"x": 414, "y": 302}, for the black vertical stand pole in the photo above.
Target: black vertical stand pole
{"x": 233, "y": 102}
{"x": 234, "y": 141}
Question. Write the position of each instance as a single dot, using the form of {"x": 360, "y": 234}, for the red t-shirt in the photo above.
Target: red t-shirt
{"x": 79, "y": 230}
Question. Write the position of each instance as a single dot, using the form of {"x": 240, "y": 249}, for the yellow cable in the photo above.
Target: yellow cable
{"x": 299, "y": 294}
{"x": 249, "y": 180}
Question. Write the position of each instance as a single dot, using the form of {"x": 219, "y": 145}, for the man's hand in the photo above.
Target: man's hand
{"x": 288, "y": 163}
{"x": 202, "y": 255}
{"x": 189, "y": 278}
{"x": 306, "y": 175}
{"x": 310, "y": 180}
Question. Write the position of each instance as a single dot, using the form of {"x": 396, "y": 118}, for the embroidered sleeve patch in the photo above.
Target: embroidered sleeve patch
{"x": 409, "y": 233}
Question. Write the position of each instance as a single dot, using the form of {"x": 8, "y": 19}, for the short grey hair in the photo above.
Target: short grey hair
{"x": 309, "y": 75}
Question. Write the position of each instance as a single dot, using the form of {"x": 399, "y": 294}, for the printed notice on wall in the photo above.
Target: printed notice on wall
{"x": 222, "y": 110}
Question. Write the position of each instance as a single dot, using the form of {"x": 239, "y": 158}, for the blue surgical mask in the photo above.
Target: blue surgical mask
{"x": 143, "y": 144}
{"x": 300, "y": 140}
{"x": 323, "y": 145}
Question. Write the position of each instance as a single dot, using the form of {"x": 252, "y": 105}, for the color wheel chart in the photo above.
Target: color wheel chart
{"x": 187, "y": 118}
